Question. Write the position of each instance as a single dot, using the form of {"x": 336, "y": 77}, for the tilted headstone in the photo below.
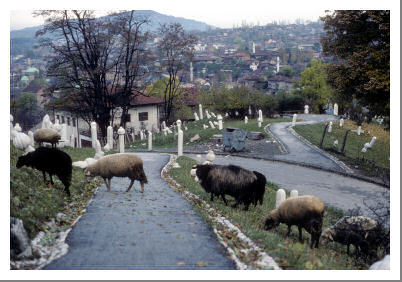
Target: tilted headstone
{"x": 196, "y": 117}
{"x": 212, "y": 124}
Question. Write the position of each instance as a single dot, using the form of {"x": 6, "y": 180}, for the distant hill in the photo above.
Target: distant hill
{"x": 155, "y": 20}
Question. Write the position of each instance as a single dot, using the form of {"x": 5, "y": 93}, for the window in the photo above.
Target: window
{"x": 74, "y": 122}
{"x": 143, "y": 116}
{"x": 58, "y": 117}
{"x": 62, "y": 119}
{"x": 68, "y": 121}
{"x": 128, "y": 118}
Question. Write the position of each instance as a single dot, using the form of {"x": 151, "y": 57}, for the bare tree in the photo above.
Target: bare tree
{"x": 94, "y": 59}
{"x": 175, "y": 48}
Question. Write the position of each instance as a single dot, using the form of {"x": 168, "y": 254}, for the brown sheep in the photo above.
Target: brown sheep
{"x": 46, "y": 135}
{"x": 119, "y": 165}
{"x": 304, "y": 211}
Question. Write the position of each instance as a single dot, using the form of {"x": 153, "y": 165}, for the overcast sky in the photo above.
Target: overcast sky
{"x": 219, "y": 13}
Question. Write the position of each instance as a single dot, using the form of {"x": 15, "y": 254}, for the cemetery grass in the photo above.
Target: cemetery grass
{"x": 37, "y": 203}
{"x": 375, "y": 162}
{"x": 288, "y": 252}
{"x": 196, "y": 127}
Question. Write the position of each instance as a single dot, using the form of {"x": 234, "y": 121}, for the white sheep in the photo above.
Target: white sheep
{"x": 47, "y": 135}
{"x": 119, "y": 165}
{"x": 383, "y": 264}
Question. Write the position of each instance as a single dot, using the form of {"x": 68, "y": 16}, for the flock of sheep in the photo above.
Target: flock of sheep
{"x": 246, "y": 187}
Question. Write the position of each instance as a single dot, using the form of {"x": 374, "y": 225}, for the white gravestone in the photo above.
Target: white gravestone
{"x": 141, "y": 135}
{"x": 249, "y": 110}
{"x": 245, "y": 119}
{"x": 196, "y": 117}
{"x": 149, "y": 141}
{"x": 306, "y": 109}
{"x": 94, "y": 136}
{"x": 294, "y": 193}
{"x": 109, "y": 133}
{"x": 335, "y": 109}
{"x": 121, "y": 133}
{"x": 330, "y": 127}
{"x": 294, "y": 119}
{"x": 212, "y": 124}
{"x": 200, "y": 110}
{"x": 341, "y": 122}
{"x": 180, "y": 143}
{"x": 220, "y": 125}
{"x": 280, "y": 197}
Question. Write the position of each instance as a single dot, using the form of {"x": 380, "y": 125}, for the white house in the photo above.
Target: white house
{"x": 144, "y": 113}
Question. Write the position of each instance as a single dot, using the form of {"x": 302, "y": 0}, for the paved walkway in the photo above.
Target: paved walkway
{"x": 299, "y": 152}
{"x": 154, "y": 230}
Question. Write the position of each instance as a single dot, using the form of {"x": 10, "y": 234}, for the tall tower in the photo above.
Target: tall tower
{"x": 191, "y": 72}
{"x": 277, "y": 64}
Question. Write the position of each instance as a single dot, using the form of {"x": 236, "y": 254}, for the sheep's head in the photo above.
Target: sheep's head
{"x": 271, "y": 221}
{"x": 88, "y": 175}
{"x": 327, "y": 236}
{"x": 22, "y": 160}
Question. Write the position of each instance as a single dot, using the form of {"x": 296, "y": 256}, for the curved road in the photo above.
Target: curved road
{"x": 154, "y": 230}
{"x": 298, "y": 151}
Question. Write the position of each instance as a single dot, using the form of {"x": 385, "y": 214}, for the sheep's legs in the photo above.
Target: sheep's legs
{"x": 300, "y": 233}
{"x": 224, "y": 199}
{"x": 44, "y": 176}
{"x": 289, "y": 229}
{"x": 131, "y": 184}
{"x": 107, "y": 182}
{"x": 142, "y": 186}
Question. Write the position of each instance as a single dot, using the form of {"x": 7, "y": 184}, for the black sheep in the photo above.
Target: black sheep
{"x": 231, "y": 180}
{"x": 52, "y": 161}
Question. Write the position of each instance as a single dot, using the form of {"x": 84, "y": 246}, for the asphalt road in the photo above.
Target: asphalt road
{"x": 298, "y": 151}
{"x": 154, "y": 230}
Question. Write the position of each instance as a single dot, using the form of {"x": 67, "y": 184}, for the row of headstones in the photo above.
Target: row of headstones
{"x": 21, "y": 140}
{"x": 61, "y": 130}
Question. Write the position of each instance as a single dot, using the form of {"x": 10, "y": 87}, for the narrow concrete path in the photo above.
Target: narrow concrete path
{"x": 154, "y": 230}
{"x": 335, "y": 190}
{"x": 298, "y": 151}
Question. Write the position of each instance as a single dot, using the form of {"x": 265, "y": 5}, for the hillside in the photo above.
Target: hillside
{"x": 155, "y": 20}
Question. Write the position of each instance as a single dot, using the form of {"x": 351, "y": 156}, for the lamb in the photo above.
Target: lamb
{"x": 52, "y": 161}
{"x": 119, "y": 165}
{"x": 304, "y": 211}
{"x": 46, "y": 135}
{"x": 360, "y": 231}
{"x": 235, "y": 181}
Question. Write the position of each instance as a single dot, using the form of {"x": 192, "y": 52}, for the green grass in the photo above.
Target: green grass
{"x": 378, "y": 155}
{"x": 288, "y": 252}
{"x": 35, "y": 203}
{"x": 197, "y": 127}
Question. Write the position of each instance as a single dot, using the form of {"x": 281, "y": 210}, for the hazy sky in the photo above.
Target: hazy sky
{"x": 220, "y": 13}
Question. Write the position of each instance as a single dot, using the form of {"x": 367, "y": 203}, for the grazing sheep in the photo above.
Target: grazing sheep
{"x": 360, "y": 231}
{"x": 304, "y": 211}
{"x": 46, "y": 135}
{"x": 229, "y": 180}
{"x": 119, "y": 165}
{"x": 52, "y": 161}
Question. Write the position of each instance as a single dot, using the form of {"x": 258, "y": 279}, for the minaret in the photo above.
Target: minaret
{"x": 277, "y": 65}
{"x": 191, "y": 72}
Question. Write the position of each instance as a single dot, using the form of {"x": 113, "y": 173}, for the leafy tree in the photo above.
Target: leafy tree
{"x": 25, "y": 110}
{"x": 175, "y": 50}
{"x": 359, "y": 40}
{"x": 96, "y": 60}
{"x": 313, "y": 86}
{"x": 287, "y": 71}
